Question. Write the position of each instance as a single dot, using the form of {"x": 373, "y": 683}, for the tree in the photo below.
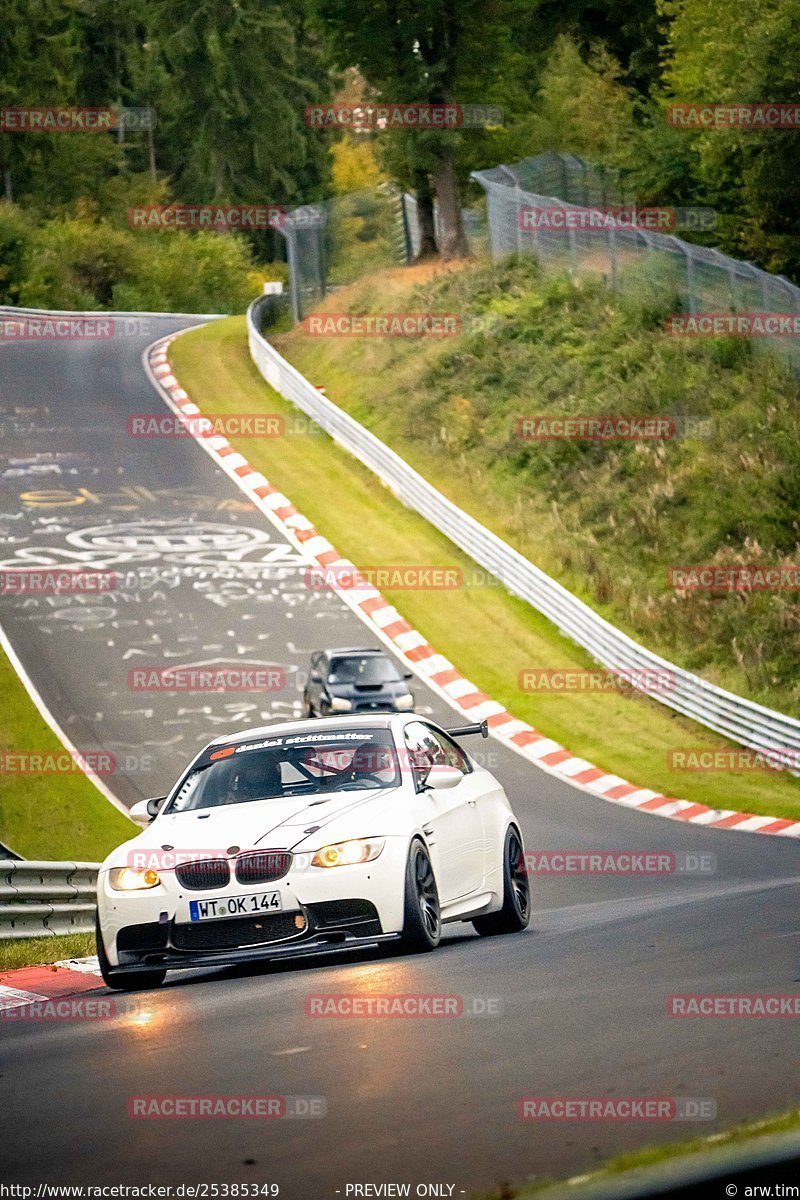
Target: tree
{"x": 244, "y": 73}
{"x": 434, "y": 52}
{"x": 38, "y": 55}
{"x": 85, "y": 53}
{"x": 629, "y": 29}
{"x": 723, "y": 52}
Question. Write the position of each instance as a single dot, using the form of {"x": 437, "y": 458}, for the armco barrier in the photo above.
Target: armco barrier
{"x": 13, "y": 310}
{"x": 733, "y": 716}
{"x": 42, "y": 899}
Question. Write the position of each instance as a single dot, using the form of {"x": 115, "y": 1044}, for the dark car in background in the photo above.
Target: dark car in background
{"x": 349, "y": 680}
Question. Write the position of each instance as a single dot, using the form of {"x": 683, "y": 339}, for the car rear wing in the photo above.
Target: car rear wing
{"x": 481, "y": 727}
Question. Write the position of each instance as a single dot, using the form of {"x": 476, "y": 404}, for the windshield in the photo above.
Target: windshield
{"x": 304, "y": 764}
{"x": 367, "y": 668}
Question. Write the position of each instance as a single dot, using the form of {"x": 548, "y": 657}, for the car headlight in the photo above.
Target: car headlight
{"x": 348, "y": 854}
{"x": 127, "y": 879}
{"x": 339, "y": 704}
{"x": 404, "y": 702}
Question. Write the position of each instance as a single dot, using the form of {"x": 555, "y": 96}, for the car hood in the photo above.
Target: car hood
{"x": 274, "y": 824}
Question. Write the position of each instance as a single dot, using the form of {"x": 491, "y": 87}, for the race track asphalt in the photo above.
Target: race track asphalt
{"x": 579, "y": 1001}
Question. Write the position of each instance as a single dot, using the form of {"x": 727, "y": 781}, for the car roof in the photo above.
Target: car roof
{"x": 325, "y": 724}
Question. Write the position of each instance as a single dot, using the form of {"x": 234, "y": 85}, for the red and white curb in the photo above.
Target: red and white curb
{"x": 26, "y": 986}
{"x": 437, "y": 671}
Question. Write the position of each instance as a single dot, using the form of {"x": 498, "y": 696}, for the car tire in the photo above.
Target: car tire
{"x": 515, "y": 914}
{"x": 422, "y": 924}
{"x": 124, "y": 981}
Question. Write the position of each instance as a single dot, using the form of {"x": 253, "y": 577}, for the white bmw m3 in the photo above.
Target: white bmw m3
{"x": 307, "y": 838}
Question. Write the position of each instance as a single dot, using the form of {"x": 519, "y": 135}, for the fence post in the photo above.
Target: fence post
{"x": 518, "y": 215}
{"x": 294, "y": 289}
{"x": 689, "y": 258}
{"x": 407, "y": 246}
{"x": 612, "y": 247}
{"x": 320, "y": 248}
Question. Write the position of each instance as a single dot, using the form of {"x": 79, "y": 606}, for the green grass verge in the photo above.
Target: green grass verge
{"x": 489, "y": 635}
{"x": 652, "y": 1156}
{"x": 56, "y": 817}
{"x": 30, "y": 952}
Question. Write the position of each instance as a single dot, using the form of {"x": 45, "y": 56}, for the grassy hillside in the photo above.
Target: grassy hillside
{"x": 488, "y": 634}
{"x": 606, "y": 519}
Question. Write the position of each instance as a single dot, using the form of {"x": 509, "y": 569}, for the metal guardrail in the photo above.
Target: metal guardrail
{"x": 732, "y": 716}
{"x": 15, "y": 310}
{"x": 42, "y": 899}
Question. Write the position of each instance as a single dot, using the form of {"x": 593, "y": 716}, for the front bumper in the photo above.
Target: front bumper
{"x": 338, "y": 908}
{"x": 233, "y": 958}
{"x": 328, "y": 929}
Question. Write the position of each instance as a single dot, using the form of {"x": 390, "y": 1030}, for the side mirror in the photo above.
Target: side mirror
{"x": 144, "y": 811}
{"x": 442, "y": 776}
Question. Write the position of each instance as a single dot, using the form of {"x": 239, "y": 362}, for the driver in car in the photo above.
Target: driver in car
{"x": 257, "y": 777}
{"x": 369, "y": 765}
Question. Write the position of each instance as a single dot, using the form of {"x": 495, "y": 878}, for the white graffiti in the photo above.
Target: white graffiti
{"x": 202, "y": 544}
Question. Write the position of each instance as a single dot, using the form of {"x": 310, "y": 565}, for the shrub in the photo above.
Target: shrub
{"x": 176, "y": 271}
{"x": 74, "y": 263}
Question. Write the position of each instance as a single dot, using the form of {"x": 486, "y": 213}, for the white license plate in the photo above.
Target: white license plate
{"x": 235, "y": 906}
